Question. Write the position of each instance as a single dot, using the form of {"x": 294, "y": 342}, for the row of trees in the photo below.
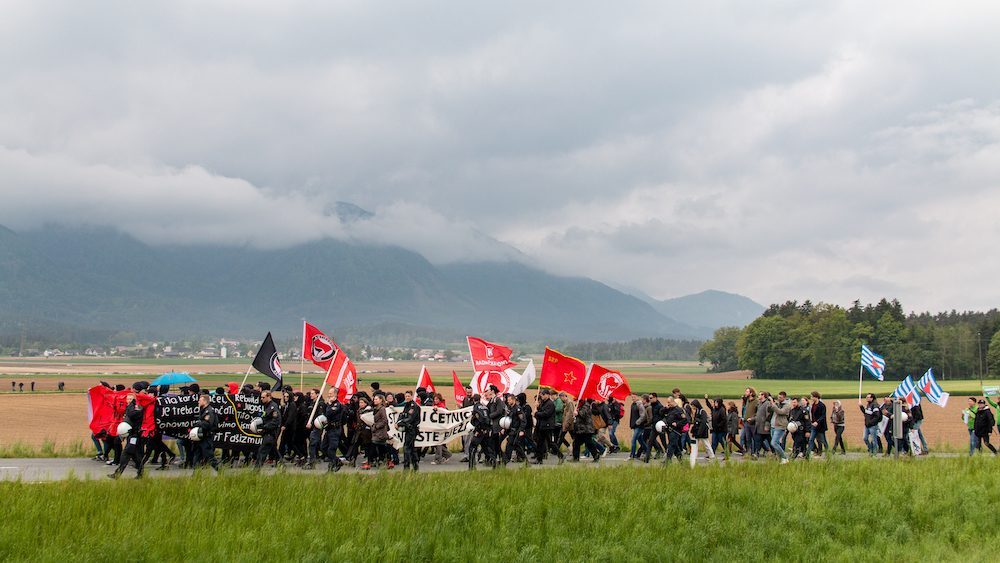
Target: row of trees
{"x": 823, "y": 341}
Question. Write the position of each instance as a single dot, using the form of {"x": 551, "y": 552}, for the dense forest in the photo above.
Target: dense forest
{"x": 823, "y": 341}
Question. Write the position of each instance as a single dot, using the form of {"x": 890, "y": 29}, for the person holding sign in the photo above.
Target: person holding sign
{"x": 133, "y": 439}
{"x": 208, "y": 423}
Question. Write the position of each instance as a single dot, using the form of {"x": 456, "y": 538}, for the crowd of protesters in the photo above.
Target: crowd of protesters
{"x": 308, "y": 430}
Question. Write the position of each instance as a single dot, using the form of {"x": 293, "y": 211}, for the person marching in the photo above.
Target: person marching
{"x": 409, "y": 424}
{"x": 495, "y": 407}
{"x": 480, "y": 433}
{"x": 516, "y": 432}
{"x": 133, "y": 440}
{"x": 334, "y": 421}
{"x": 269, "y": 429}
{"x": 315, "y": 434}
{"x": 208, "y": 423}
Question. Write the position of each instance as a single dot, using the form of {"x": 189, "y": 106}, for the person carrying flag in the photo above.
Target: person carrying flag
{"x": 334, "y": 413}
{"x": 133, "y": 440}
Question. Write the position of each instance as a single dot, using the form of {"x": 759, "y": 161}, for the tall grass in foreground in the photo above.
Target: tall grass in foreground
{"x": 931, "y": 509}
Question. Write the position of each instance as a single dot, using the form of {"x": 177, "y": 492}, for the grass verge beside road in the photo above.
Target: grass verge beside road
{"x": 941, "y": 509}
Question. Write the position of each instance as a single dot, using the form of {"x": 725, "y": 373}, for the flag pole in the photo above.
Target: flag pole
{"x": 302, "y": 357}
{"x": 586, "y": 378}
{"x": 321, "y": 389}
{"x": 861, "y": 371}
{"x": 245, "y": 377}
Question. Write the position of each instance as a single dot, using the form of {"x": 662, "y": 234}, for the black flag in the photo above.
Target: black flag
{"x": 267, "y": 362}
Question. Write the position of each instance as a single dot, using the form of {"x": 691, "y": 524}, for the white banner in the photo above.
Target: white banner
{"x": 437, "y": 426}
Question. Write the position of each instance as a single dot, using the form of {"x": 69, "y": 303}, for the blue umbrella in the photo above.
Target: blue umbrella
{"x": 173, "y": 378}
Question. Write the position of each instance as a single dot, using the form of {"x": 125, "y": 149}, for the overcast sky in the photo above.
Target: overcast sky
{"x": 782, "y": 150}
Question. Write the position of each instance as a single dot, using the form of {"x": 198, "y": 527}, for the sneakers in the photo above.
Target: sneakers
{"x": 365, "y": 466}
{"x": 390, "y": 465}
{"x": 784, "y": 460}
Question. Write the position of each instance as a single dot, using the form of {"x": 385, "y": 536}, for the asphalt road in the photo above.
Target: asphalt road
{"x": 57, "y": 469}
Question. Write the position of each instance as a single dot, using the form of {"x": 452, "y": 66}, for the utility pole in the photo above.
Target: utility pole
{"x": 979, "y": 344}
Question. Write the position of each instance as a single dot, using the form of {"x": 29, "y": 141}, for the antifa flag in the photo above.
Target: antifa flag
{"x": 106, "y": 409}
{"x": 603, "y": 383}
{"x": 562, "y": 373}
{"x": 322, "y": 351}
{"x": 267, "y": 361}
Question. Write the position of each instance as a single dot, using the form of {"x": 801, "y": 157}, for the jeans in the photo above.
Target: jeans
{"x": 973, "y": 442}
{"x": 613, "y": 433}
{"x": 694, "y": 450}
{"x": 871, "y": 439}
{"x": 777, "y": 437}
{"x": 817, "y": 439}
{"x": 638, "y": 439}
{"x": 759, "y": 443}
{"x": 920, "y": 434}
{"x": 718, "y": 439}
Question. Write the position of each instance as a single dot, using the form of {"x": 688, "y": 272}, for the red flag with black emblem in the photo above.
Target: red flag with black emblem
{"x": 562, "y": 372}
{"x": 424, "y": 380}
{"x": 322, "y": 351}
{"x": 603, "y": 383}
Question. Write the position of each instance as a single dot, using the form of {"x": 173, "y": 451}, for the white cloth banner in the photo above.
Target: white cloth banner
{"x": 437, "y": 426}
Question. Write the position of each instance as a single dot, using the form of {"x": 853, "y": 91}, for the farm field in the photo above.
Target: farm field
{"x": 838, "y": 510}
{"x": 57, "y": 421}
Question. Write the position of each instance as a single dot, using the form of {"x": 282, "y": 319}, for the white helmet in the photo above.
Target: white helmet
{"x": 124, "y": 428}
{"x": 793, "y": 427}
{"x": 470, "y": 426}
{"x": 906, "y": 417}
{"x": 195, "y": 434}
{"x": 660, "y": 426}
{"x": 505, "y": 423}
{"x": 255, "y": 425}
{"x": 320, "y": 422}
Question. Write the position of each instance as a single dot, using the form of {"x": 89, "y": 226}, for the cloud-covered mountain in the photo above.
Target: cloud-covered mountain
{"x": 101, "y": 279}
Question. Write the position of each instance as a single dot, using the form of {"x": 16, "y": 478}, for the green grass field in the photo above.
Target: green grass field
{"x": 927, "y": 509}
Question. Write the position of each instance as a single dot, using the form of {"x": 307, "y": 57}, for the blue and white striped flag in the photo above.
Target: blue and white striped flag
{"x": 872, "y": 362}
{"x": 907, "y": 391}
{"x": 930, "y": 388}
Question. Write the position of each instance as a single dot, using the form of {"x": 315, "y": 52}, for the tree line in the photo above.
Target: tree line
{"x": 822, "y": 341}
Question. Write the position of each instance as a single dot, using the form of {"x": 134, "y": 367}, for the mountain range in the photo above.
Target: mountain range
{"x": 98, "y": 279}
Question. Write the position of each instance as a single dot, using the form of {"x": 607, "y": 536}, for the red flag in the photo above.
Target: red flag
{"x": 487, "y": 356}
{"x": 317, "y": 347}
{"x": 322, "y": 351}
{"x": 562, "y": 373}
{"x": 603, "y": 383}
{"x": 107, "y": 409}
{"x": 424, "y": 380}
{"x": 459, "y": 390}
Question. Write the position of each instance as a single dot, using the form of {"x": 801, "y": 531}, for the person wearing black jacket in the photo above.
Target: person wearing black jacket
{"x": 517, "y": 431}
{"x": 675, "y": 420}
{"x": 270, "y": 428}
{"x": 496, "y": 410}
{"x": 983, "y": 425}
{"x": 409, "y": 423}
{"x": 208, "y": 422}
{"x": 873, "y": 415}
{"x": 720, "y": 424}
{"x": 467, "y": 439}
{"x": 133, "y": 440}
{"x": 614, "y": 409}
{"x": 800, "y": 416}
{"x": 817, "y": 434}
{"x": 480, "y": 432}
{"x": 334, "y": 422}
{"x": 316, "y": 438}
{"x": 289, "y": 419}
{"x": 545, "y": 424}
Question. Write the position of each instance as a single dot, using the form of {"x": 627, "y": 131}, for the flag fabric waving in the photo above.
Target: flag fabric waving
{"x": 457, "y": 387}
{"x": 928, "y": 385}
{"x": 424, "y": 380}
{"x": 603, "y": 383}
{"x": 872, "y": 362}
{"x": 504, "y": 380}
{"x": 267, "y": 361}
{"x": 527, "y": 377}
{"x": 487, "y": 356}
{"x": 907, "y": 390}
{"x": 106, "y": 409}
{"x": 562, "y": 372}
{"x": 322, "y": 351}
